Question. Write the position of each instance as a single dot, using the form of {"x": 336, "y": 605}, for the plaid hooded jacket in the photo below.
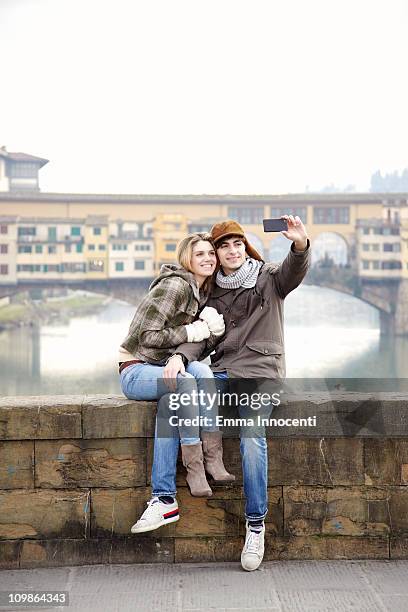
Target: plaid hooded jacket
{"x": 157, "y": 327}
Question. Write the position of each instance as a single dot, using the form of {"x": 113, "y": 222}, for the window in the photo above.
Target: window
{"x": 375, "y": 247}
{"x": 23, "y": 170}
{"x": 3, "y": 269}
{"x": 79, "y": 248}
{"x": 52, "y": 233}
{"x": 91, "y": 247}
{"x": 376, "y": 265}
{"x": 387, "y": 246}
{"x": 26, "y": 231}
{"x": 366, "y": 264}
{"x": 67, "y": 248}
{"x": 366, "y": 231}
{"x": 52, "y": 249}
{"x": 391, "y": 265}
{"x": 366, "y": 247}
{"x": 119, "y": 266}
{"x": 25, "y": 248}
{"x": 142, "y": 247}
{"x": 73, "y": 267}
{"x": 171, "y": 246}
{"x": 3, "y": 248}
{"x": 3, "y": 229}
{"x": 95, "y": 265}
{"x": 338, "y": 214}
{"x": 97, "y": 231}
{"x": 249, "y": 216}
{"x": 25, "y": 268}
{"x": 75, "y": 231}
{"x": 38, "y": 248}
{"x": 300, "y": 211}
{"x": 139, "y": 265}
{"x": 119, "y": 247}
{"x": 102, "y": 247}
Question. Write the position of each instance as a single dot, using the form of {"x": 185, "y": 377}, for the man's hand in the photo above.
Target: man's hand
{"x": 296, "y": 232}
{"x": 171, "y": 369}
{"x": 214, "y": 320}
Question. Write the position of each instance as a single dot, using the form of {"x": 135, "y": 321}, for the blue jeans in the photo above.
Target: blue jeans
{"x": 145, "y": 382}
{"x": 254, "y": 454}
{"x": 254, "y": 458}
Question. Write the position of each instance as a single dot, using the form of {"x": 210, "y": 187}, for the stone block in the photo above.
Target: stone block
{"x": 207, "y": 549}
{"x": 117, "y": 418}
{"x": 42, "y": 417}
{"x": 399, "y": 547}
{"x": 54, "y": 553}
{"x": 398, "y": 510}
{"x": 44, "y": 513}
{"x": 325, "y": 547}
{"x": 90, "y": 463}
{"x": 17, "y": 464}
{"x": 328, "y": 461}
{"x": 386, "y": 461}
{"x": 207, "y": 516}
{"x": 9, "y": 554}
{"x": 114, "y": 511}
{"x": 337, "y": 511}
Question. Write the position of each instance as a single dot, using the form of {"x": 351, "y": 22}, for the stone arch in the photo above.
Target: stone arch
{"x": 332, "y": 245}
{"x": 279, "y": 248}
{"x": 256, "y": 242}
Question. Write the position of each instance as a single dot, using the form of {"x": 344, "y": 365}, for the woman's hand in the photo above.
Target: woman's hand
{"x": 197, "y": 331}
{"x": 214, "y": 320}
{"x": 174, "y": 366}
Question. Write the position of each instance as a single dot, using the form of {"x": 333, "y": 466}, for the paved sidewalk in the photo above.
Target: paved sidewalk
{"x": 288, "y": 586}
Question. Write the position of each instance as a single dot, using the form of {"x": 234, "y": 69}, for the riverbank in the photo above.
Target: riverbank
{"x": 29, "y": 312}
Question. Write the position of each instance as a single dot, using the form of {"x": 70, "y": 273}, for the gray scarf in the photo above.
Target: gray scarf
{"x": 246, "y": 276}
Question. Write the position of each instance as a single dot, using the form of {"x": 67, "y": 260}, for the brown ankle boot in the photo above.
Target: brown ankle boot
{"x": 192, "y": 455}
{"x": 213, "y": 464}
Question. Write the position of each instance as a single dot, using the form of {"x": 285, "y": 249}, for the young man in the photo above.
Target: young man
{"x": 250, "y": 295}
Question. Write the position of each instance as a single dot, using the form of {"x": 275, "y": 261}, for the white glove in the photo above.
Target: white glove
{"x": 197, "y": 331}
{"x": 214, "y": 320}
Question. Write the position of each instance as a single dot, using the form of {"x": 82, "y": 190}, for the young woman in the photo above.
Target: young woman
{"x": 150, "y": 368}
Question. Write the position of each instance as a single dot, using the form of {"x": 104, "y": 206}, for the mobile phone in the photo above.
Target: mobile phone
{"x": 275, "y": 225}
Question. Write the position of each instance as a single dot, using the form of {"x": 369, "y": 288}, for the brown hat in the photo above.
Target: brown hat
{"x": 233, "y": 228}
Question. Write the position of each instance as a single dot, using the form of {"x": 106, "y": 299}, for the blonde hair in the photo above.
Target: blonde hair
{"x": 185, "y": 252}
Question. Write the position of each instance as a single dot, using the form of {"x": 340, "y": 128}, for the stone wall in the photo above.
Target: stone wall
{"x": 75, "y": 475}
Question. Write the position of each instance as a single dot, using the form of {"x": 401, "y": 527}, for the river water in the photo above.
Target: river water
{"x": 327, "y": 335}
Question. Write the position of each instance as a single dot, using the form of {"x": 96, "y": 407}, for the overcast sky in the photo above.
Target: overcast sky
{"x": 205, "y": 96}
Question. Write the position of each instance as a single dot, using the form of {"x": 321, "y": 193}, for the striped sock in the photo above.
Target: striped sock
{"x": 256, "y": 525}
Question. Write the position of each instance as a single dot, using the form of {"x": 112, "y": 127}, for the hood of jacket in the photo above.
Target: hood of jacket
{"x": 168, "y": 270}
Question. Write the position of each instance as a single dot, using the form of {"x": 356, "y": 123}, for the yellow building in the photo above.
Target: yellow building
{"x": 50, "y": 248}
{"x": 172, "y": 217}
{"x": 96, "y": 246}
{"x": 168, "y": 230}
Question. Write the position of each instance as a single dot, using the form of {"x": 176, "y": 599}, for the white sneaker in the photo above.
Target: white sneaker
{"x": 156, "y": 515}
{"x": 253, "y": 551}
